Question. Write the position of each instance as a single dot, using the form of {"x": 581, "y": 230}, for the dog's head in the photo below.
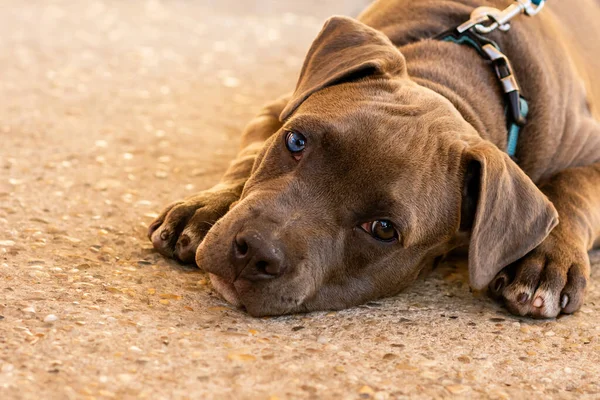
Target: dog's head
{"x": 371, "y": 179}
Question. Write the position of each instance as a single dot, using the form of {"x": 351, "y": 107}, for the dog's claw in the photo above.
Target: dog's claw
{"x": 164, "y": 235}
{"x": 522, "y": 298}
{"x": 499, "y": 284}
{"x": 564, "y": 301}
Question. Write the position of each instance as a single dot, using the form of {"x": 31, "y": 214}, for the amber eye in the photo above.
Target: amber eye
{"x": 381, "y": 230}
{"x": 295, "y": 143}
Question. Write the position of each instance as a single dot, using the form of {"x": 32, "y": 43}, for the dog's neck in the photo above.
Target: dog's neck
{"x": 463, "y": 77}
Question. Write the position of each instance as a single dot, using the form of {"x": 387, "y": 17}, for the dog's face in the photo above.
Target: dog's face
{"x": 371, "y": 179}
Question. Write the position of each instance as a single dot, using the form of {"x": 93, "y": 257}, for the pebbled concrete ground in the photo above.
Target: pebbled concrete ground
{"x": 111, "y": 109}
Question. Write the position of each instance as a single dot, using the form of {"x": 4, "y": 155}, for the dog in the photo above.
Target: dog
{"x": 391, "y": 153}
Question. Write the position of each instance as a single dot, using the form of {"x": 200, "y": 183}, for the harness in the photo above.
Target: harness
{"x": 483, "y": 21}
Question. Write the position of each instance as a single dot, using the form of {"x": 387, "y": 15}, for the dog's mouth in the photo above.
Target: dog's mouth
{"x": 226, "y": 290}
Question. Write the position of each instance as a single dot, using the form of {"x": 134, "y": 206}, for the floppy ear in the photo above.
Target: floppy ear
{"x": 344, "y": 50}
{"x": 507, "y": 214}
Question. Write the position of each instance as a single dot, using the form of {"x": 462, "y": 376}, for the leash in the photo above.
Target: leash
{"x": 484, "y": 20}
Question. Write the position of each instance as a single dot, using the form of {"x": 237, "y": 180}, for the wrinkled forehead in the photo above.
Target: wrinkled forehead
{"x": 392, "y": 122}
{"x": 386, "y": 109}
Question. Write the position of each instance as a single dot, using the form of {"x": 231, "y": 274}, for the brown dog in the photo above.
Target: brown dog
{"x": 390, "y": 154}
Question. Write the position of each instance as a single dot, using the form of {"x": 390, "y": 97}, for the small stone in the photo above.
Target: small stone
{"x": 366, "y": 392}
{"x": 241, "y": 357}
{"x": 457, "y": 389}
{"x": 231, "y": 82}
{"x": 322, "y": 340}
{"x": 381, "y": 395}
{"x": 126, "y": 378}
{"x": 135, "y": 349}
{"x": 339, "y": 368}
{"x": 7, "y": 243}
{"x": 7, "y": 368}
{"x": 170, "y": 296}
{"x": 30, "y": 310}
{"x": 406, "y": 367}
{"x": 50, "y": 318}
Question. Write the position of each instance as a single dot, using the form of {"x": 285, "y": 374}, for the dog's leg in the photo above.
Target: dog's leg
{"x": 552, "y": 278}
{"x": 180, "y": 228}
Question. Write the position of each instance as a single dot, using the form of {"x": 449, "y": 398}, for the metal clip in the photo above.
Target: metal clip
{"x": 503, "y": 68}
{"x": 506, "y": 75}
{"x": 497, "y": 19}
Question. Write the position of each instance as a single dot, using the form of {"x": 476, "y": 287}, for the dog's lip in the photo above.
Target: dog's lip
{"x": 226, "y": 290}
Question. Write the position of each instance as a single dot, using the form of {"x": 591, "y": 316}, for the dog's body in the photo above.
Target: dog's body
{"x": 553, "y": 55}
{"x": 399, "y": 134}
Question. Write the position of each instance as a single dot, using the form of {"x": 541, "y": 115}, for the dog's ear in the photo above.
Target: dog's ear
{"x": 344, "y": 50}
{"x": 507, "y": 215}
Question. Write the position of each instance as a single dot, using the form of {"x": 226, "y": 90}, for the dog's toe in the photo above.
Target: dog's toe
{"x": 160, "y": 219}
{"x": 194, "y": 232}
{"x": 166, "y": 233}
{"x": 573, "y": 293}
{"x": 185, "y": 249}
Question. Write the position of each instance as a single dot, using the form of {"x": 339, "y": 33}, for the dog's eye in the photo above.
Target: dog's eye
{"x": 381, "y": 230}
{"x": 295, "y": 143}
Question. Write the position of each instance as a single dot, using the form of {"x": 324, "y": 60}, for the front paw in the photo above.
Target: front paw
{"x": 181, "y": 226}
{"x": 550, "y": 280}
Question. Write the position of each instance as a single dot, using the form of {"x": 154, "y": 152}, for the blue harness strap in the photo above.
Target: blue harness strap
{"x": 517, "y": 108}
{"x": 515, "y": 129}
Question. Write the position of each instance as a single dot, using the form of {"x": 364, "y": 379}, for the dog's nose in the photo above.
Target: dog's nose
{"x": 256, "y": 257}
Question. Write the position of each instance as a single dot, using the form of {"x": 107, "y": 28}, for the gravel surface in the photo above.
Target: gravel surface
{"x": 112, "y": 109}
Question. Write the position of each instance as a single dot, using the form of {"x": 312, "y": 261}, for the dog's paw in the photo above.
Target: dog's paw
{"x": 548, "y": 281}
{"x": 180, "y": 228}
